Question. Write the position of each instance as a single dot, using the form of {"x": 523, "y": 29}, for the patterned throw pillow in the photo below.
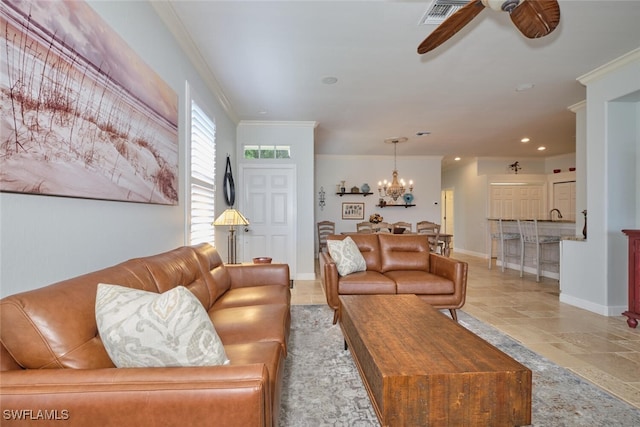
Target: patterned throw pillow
{"x": 146, "y": 329}
{"x": 346, "y": 255}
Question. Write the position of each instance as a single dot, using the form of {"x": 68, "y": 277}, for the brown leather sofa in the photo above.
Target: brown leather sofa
{"x": 397, "y": 264}
{"x": 53, "y": 365}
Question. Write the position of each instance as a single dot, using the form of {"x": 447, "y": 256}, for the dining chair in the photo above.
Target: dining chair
{"x": 497, "y": 234}
{"x": 382, "y": 227}
{"x": 402, "y": 224}
{"x": 325, "y": 228}
{"x": 432, "y": 230}
{"x": 364, "y": 227}
{"x": 529, "y": 234}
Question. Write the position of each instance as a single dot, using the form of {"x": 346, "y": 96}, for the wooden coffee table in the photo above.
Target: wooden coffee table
{"x": 421, "y": 368}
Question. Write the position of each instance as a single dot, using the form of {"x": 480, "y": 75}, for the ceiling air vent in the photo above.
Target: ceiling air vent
{"x": 441, "y": 10}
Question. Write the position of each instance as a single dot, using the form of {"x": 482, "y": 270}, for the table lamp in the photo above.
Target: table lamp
{"x": 231, "y": 217}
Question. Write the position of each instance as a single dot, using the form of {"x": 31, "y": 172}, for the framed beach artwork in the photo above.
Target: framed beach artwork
{"x": 82, "y": 114}
{"x": 352, "y": 210}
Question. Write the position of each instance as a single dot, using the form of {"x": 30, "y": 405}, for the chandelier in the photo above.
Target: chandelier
{"x": 397, "y": 187}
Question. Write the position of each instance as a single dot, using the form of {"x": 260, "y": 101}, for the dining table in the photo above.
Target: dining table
{"x": 445, "y": 238}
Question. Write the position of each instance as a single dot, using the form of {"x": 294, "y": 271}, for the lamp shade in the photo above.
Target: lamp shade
{"x": 231, "y": 217}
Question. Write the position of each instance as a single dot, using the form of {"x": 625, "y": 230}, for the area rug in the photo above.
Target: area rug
{"x": 322, "y": 386}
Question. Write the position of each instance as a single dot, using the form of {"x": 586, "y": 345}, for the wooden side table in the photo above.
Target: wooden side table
{"x": 633, "y": 314}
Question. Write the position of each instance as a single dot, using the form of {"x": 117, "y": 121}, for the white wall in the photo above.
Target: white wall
{"x": 357, "y": 170}
{"x": 300, "y": 136}
{"x": 594, "y": 272}
{"x": 45, "y": 239}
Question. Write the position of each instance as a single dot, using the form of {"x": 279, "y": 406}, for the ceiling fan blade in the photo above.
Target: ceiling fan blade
{"x": 451, "y": 25}
{"x": 536, "y": 18}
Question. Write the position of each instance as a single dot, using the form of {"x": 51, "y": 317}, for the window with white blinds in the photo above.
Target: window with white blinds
{"x": 202, "y": 179}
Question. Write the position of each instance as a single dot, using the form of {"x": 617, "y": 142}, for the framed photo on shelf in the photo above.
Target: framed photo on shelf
{"x": 352, "y": 210}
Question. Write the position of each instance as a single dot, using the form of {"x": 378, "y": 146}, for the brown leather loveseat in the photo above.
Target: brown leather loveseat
{"x": 54, "y": 366}
{"x": 397, "y": 264}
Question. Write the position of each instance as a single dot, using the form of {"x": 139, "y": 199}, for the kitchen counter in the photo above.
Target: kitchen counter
{"x": 574, "y": 238}
{"x": 564, "y": 229}
{"x": 546, "y": 221}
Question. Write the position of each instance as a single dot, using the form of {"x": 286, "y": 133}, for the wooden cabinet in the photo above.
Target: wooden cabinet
{"x": 517, "y": 201}
{"x": 564, "y": 199}
{"x": 633, "y": 314}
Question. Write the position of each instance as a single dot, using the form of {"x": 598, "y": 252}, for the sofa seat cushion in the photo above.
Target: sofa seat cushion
{"x": 254, "y": 295}
{"x": 256, "y": 323}
{"x": 366, "y": 282}
{"x": 420, "y": 282}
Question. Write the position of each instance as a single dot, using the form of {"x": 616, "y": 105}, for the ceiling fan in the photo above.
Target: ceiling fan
{"x": 534, "y": 18}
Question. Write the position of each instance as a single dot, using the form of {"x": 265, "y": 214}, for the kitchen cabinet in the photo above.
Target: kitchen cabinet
{"x": 564, "y": 199}
{"x": 517, "y": 201}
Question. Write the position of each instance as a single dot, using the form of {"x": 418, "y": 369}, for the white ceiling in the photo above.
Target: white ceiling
{"x": 269, "y": 58}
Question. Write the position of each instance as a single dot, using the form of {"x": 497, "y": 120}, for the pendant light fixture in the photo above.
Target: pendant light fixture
{"x": 397, "y": 188}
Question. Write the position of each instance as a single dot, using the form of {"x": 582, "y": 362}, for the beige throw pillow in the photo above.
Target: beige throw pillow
{"x": 346, "y": 255}
{"x": 146, "y": 329}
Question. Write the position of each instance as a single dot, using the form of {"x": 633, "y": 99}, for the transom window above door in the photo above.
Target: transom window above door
{"x": 267, "y": 152}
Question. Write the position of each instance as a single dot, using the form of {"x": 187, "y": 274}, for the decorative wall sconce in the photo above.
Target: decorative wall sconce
{"x": 321, "y": 201}
{"x": 515, "y": 167}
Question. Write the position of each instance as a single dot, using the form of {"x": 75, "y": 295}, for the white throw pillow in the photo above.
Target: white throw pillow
{"x": 346, "y": 255}
{"x": 146, "y": 329}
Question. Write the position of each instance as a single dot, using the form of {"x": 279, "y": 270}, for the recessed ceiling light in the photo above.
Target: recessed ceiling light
{"x": 329, "y": 80}
{"x": 524, "y": 86}
{"x": 457, "y": 159}
{"x": 542, "y": 148}
{"x": 525, "y": 140}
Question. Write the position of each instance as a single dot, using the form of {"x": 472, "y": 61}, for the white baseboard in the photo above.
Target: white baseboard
{"x": 472, "y": 253}
{"x": 600, "y": 309}
{"x": 305, "y": 276}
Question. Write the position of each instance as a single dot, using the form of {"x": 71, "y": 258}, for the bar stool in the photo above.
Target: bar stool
{"x": 499, "y": 236}
{"x": 529, "y": 234}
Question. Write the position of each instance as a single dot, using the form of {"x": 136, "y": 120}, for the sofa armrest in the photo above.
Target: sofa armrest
{"x": 140, "y": 396}
{"x": 451, "y": 269}
{"x": 329, "y": 278}
{"x": 245, "y": 275}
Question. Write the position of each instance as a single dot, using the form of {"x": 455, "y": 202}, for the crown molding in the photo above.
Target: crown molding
{"x": 609, "y": 67}
{"x": 168, "y": 15}
{"x": 312, "y": 124}
{"x": 577, "y": 106}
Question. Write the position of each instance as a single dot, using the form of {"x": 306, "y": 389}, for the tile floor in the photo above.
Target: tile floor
{"x": 602, "y": 349}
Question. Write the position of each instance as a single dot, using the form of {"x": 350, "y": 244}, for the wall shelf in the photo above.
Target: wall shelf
{"x": 353, "y": 194}
{"x": 395, "y": 206}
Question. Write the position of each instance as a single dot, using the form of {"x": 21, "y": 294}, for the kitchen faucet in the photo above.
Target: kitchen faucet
{"x": 551, "y": 214}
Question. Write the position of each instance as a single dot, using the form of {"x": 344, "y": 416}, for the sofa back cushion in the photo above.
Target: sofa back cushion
{"x": 403, "y": 252}
{"x": 180, "y": 267}
{"x": 55, "y": 326}
{"x": 368, "y": 245}
{"x": 219, "y": 280}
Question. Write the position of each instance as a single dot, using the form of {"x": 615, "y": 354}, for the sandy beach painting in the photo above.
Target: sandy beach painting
{"x": 81, "y": 115}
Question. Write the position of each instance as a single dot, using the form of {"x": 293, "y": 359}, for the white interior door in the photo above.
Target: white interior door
{"x": 447, "y": 212}
{"x": 268, "y": 202}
